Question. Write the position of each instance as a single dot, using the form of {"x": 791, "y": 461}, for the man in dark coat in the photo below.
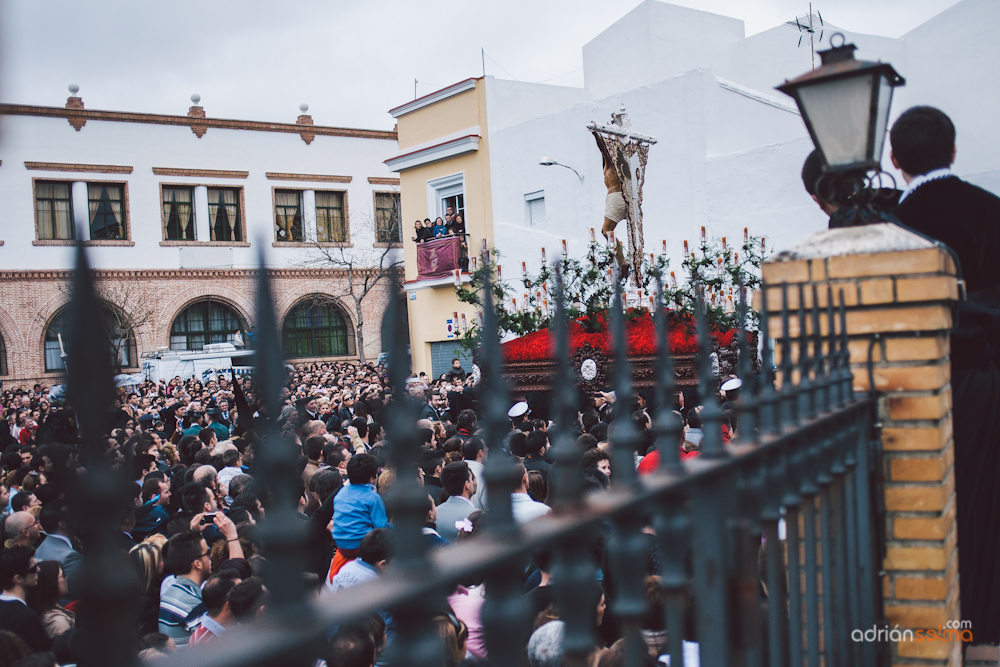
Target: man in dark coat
{"x": 941, "y": 205}
{"x": 967, "y": 219}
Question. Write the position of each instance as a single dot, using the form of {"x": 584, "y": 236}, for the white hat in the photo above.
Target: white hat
{"x": 730, "y": 385}
{"x": 519, "y": 410}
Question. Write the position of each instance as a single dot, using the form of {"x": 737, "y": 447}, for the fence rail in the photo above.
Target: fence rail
{"x": 804, "y": 459}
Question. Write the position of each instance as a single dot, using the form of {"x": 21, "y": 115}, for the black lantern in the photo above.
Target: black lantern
{"x": 845, "y": 105}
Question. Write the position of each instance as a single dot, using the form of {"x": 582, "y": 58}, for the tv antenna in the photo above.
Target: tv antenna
{"x": 811, "y": 24}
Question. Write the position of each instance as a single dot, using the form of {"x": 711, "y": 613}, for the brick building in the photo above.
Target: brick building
{"x": 176, "y": 212}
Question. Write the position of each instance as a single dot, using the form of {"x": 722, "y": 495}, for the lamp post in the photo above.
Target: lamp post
{"x": 845, "y": 105}
{"x": 549, "y": 162}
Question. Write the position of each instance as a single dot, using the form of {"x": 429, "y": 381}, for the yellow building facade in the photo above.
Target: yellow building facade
{"x": 443, "y": 161}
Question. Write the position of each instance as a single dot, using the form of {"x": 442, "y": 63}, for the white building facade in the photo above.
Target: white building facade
{"x": 180, "y": 209}
{"x": 730, "y": 147}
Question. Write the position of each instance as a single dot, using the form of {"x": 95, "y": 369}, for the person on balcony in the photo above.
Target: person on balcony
{"x": 457, "y": 226}
{"x": 440, "y": 229}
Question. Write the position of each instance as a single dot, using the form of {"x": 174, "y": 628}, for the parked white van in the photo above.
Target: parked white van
{"x": 213, "y": 360}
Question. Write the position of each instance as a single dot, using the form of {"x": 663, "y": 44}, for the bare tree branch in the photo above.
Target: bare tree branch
{"x": 364, "y": 268}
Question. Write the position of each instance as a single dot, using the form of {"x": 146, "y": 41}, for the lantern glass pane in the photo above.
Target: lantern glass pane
{"x": 882, "y": 119}
{"x": 839, "y": 112}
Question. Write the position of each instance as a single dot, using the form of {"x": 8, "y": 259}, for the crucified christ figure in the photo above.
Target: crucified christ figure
{"x": 615, "y": 209}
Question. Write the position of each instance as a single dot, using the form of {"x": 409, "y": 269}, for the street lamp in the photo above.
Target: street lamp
{"x": 549, "y": 162}
{"x": 845, "y": 105}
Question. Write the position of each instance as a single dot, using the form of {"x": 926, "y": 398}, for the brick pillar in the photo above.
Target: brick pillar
{"x": 898, "y": 291}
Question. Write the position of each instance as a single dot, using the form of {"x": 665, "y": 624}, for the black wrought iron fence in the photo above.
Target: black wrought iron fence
{"x": 803, "y": 459}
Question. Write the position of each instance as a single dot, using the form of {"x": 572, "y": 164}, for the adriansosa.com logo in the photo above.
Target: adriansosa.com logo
{"x": 952, "y": 631}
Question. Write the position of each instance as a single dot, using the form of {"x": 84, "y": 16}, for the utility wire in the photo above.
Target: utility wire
{"x": 561, "y": 75}
{"x": 501, "y": 67}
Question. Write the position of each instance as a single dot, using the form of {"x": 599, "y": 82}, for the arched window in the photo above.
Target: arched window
{"x": 315, "y": 328}
{"x": 121, "y": 342}
{"x": 202, "y": 323}
{"x": 3, "y": 357}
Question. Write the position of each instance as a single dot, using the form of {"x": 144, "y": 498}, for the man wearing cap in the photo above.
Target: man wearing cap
{"x": 308, "y": 409}
{"x": 731, "y": 391}
{"x": 518, "y": 413}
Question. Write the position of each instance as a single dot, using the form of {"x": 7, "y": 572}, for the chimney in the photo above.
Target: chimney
{"x": 304, "y": 118}
{"x": 196, "y": 111}
{"x": 74, "y": 102}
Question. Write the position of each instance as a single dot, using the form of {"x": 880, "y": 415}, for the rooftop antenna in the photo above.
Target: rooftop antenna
{"x": 810, "y": 23}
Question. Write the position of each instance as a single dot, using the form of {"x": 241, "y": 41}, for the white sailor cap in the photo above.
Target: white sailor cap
{"x": 518, "y": 410}
{"x": 730, "y": 385}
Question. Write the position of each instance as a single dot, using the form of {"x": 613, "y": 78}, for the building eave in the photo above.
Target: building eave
{"x": 435, "y": 153}
{"x": 167, "y": 119}
{"x": 435, "y": 97}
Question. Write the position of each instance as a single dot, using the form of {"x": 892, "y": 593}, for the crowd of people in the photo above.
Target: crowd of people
{"x": 195, "y": 507}
{"x": 453, "y": 224}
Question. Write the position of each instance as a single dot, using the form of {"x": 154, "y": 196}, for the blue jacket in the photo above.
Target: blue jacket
{"x": 357, "y": 509}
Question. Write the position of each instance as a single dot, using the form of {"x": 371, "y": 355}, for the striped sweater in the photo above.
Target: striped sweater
{"x": 181, "y": 609}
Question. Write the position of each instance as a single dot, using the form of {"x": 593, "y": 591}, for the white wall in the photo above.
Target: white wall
{"x": 144, "y": 146}
{"x": 655, "y": 41}
{"x": 725, "y": 160}
{"x": 692, "y": 118}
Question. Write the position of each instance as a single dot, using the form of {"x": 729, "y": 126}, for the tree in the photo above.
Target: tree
{"x": 128, "y": 307}
{"x": 365, "y": 267}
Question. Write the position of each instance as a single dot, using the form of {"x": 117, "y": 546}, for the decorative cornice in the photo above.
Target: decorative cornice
{"x": 378, "y": 180}
{"x": 199, "y": 173}
{"x": 436, "y": 96}
{"x": 81, "y": 116}
{"x": 435, "y": 153}
{"x": 91, "y": 168}
{"x": 183, "y": 274}
{"x": 317, "y": 178}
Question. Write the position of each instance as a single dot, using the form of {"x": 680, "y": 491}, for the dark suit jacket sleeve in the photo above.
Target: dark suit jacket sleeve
{"x": 73, "y": 567}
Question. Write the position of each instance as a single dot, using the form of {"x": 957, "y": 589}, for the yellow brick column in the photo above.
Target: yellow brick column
{"x": 898, "y": 291}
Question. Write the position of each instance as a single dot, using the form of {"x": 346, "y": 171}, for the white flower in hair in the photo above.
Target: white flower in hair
{"x": 463, "y": 525}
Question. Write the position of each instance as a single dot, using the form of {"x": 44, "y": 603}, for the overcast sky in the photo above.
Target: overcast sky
{"x": 350, "y": 61}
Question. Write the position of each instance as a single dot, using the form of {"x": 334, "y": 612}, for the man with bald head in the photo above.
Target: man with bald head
{"x": 22, "y": 529}
{"x": 313, "y": 427}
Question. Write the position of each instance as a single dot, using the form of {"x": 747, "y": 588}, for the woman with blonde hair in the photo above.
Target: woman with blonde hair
{"x": 147, "y": 560}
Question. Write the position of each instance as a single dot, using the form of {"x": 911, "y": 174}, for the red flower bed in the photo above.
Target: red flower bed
{"x": 640, "y": 336}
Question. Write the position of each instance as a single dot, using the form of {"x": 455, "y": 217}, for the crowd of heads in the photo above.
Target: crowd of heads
{"x": 194, "y": 501}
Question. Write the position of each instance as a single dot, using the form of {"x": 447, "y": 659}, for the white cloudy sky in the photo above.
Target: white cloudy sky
{"x": 350, "y": 61}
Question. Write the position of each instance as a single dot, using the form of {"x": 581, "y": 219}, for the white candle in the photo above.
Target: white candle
{"x": 565, "y": 249}
{"x": 723, "y": 244}
{"x": 686, "y": 249}
{"x": 543, "y": 256}
{"x": 746, "y": 235}
{"x": 592, "y": 235}
{"x": 524, "y": 268}
{"x": 664, "y": 246}
{"x": 703, "y": 234}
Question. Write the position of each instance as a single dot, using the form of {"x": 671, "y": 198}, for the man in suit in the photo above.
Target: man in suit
{"x": 967, "y": 219}
{"x": 433, "y": 408}
{"x": 18, "y": 573}
{"x": 938, "y": 203}
{"x": 58, "y": 545}
{"x": 458, "y": 480}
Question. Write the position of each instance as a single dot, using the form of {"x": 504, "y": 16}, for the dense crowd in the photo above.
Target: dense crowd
{"x": 191, "y": 531}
